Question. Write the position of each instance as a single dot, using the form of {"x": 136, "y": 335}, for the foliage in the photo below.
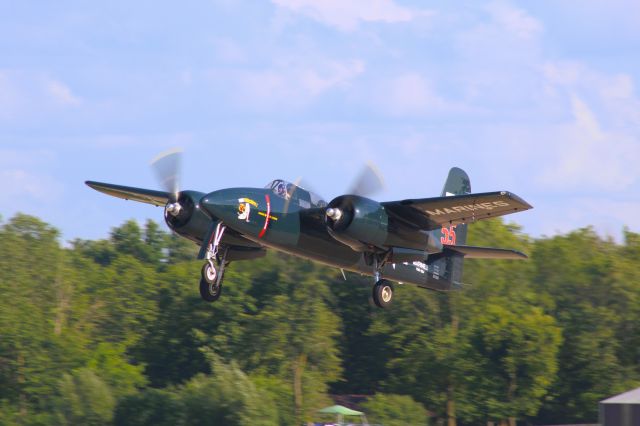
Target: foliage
{"x": 84, "y": 399}
{"x": 114, "y": 332}
{"x": 159, "y": 407}
{"x": 395, "y": 410}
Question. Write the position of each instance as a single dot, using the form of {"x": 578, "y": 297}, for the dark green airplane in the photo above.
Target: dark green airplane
{"x": 414, "y": 241}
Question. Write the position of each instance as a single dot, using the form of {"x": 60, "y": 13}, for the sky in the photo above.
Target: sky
{"x": 538, "y": 98}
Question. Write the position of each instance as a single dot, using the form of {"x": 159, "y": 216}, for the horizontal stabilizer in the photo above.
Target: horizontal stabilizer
{"x": 149, "y": 196}
{"x": 433, "y": 213}
{"x": 471, "y": 252}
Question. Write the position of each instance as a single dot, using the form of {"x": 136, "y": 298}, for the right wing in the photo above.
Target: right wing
{"x": 149, "y": 196}
{"x": 473, "y": 252}
{"x": 433, "y": 213}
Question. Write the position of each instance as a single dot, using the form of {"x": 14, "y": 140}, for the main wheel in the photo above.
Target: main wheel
{"x": 383, "y": 293}
{"x": 209, "y": 273}
{"x": 210, "y": 291}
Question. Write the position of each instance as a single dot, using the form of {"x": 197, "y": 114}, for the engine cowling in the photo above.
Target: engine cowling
{"x": 359, "y": 222}
{"x": 185, "y": 217}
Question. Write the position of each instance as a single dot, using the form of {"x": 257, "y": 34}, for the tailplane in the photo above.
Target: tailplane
{"x": 447, "y": 265}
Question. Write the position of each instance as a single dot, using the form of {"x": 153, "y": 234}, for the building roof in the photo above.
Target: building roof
{"x": 631, "y": 397}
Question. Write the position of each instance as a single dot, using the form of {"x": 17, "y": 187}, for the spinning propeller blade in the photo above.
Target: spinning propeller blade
{"x": 368, "y": 182}
{"x": 167, "y": 168}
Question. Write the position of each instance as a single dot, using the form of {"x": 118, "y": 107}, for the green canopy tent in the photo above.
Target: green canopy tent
{"x": 342, "y": 412}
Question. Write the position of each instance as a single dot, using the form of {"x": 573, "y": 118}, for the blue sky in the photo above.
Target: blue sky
{"x": 539, "y": 98}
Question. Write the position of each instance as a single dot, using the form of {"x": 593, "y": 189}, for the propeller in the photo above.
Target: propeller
{"x": 167, "y": 166}
{"x": 368, "y": 182}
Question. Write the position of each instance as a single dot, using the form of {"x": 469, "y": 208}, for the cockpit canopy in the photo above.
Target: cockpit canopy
{"x": 289, "y": 191}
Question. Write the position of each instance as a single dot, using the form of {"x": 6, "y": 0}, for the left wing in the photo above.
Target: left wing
{"x": 433, "y": 213}
{"x": 149, "y": 196}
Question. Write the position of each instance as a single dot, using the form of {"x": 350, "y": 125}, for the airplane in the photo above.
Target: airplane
{"x": 414, "y": 241}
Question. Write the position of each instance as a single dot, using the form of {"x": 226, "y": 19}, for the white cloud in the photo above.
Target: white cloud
{"x": 515, "y": 21}
{"x": 600, "y": 145}
{"x": 613, "y": 93}
{"x": 229, "y": 51}
{"x": 27, "y": 94}
{"x": 10, "y": 100}
{"x": 21, "y": 183}
{"x": 411, "y": 94}
{"x": 61, "y": 94}
{"x": 582, "y": 154}
{"x": 608, "y": 216}
{"x": 347, "y": 15}
{"x": 23, "y": 178}
{"x": 294, "y": 83}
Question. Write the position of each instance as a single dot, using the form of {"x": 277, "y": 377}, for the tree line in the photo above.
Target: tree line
{"x": 113, "y": 332}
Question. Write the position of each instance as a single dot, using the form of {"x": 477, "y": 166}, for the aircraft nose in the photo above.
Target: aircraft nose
{"x": 218, "y": 204}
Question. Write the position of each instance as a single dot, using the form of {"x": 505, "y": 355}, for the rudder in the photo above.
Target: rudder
{"x": 457, "y": 183}
{"x": 450, "y": 265}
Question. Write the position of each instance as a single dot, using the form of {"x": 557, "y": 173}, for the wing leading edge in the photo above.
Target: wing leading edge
{"x": 433, "y": 213}
{"x": 149, "y": 196}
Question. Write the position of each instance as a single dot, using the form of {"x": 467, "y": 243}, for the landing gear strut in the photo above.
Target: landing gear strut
{"x": 213, "y": 269}
{"x": 382, "y": 289}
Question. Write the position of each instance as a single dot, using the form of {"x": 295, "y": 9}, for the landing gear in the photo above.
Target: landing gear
{"x": 383, "y": 293}
{"x": 213, "y": 269}
{"x": 382, "y": 289}
{"x": 210, "y": 283}
{"x": 210, "y": 292}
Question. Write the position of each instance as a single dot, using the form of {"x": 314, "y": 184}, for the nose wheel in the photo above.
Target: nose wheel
{"x": 211, "y": 282}
{"x": 383, "y": 293}
{"x": 213, "y": 270}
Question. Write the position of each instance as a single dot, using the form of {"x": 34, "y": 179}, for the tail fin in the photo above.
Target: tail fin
{"x": 457, "y": 183}
{"x": 450, "y": 265}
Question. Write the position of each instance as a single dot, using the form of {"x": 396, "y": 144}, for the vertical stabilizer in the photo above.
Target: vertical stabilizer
{"x": 457, "y": 183}
{"x": 450, "y": 266}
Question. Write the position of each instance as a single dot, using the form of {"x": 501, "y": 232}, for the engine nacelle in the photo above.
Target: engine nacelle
{"x": 186, "y": 218}
{"x": 359, "y": 222}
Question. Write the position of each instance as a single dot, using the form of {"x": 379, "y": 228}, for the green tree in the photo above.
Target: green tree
{"x": 300, "y": 346}
{"x": 33, "y": 345}
{"x": 84, "y": 399}
{"x": 395, "y": 410}
{"x": 158, "y": 407}
{"x": 588, "y": 282}
{"x": 122, "y": 377}
{"x": 514, "y": 350}
{"x": 227, "y": 397}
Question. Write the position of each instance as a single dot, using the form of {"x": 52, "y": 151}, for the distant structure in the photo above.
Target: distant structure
{"x": 621, "y": 410}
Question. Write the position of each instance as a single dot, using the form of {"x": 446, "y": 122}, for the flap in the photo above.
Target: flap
{"x": 433, "y": 213}
{"x": 471, "y": 252}
{"x": 149, "y": 196}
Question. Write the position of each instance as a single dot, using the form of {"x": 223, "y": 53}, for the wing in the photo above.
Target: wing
{"x": 433, "y": 213}
{"x": 149, "y": 196}
{"x": 472, "y": 252}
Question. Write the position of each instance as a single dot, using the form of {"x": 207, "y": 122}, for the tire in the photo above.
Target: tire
{"x": 383, "y": 293}
{"x": 210, "y": 292}
{"x": 209, "y": 273}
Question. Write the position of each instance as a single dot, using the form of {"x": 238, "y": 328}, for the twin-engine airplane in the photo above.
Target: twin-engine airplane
{"x": 415, "y": 241}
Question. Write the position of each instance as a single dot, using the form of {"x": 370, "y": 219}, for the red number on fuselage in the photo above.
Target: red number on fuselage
{"x": 448, "y": 236}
